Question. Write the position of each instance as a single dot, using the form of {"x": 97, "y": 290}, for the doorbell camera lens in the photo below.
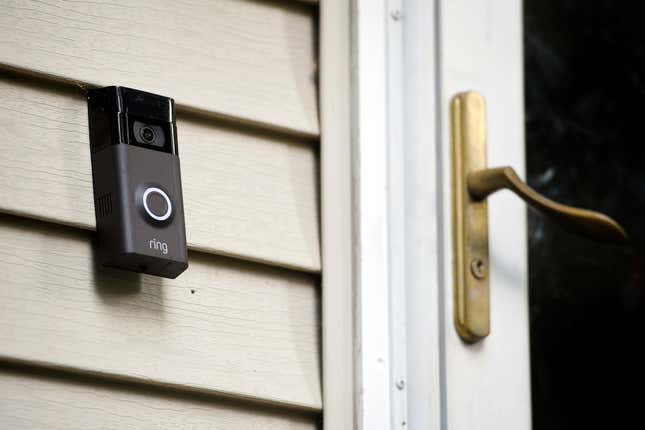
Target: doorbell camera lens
{"x": 148, "y": 134}
{"x": 137, "y": 182}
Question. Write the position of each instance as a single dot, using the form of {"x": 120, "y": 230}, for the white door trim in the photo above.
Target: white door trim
{"x": 398, "y": 242}
{"x": 375, "y": 359}
{"x": 337, "y": 215}
{"x": 379, "y": 164}
{"x": 389, "y": 254}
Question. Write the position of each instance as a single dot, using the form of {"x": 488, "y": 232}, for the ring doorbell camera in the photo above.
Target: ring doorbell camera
{"x": 137, "y": 182}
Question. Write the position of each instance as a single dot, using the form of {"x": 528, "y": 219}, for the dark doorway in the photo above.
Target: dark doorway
{"x": 585, "y": 146}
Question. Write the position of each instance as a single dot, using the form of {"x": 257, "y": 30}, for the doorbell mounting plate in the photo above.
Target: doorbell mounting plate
{"x": 137, "y": 181}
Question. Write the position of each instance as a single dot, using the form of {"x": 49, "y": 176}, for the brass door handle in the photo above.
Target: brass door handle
{"x": 594, "y": 225}
{"x": 472, "y": 182}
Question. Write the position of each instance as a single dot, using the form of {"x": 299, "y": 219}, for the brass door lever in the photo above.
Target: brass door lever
{"x": 594, "y": 225}
{"x": 472, "y": 182}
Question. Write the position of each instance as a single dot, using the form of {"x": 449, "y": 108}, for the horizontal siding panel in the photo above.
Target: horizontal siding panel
{"x": 224, "y": 326}
{"x": 246, "y": 194}
{"x": 245, "y": 59}
{"x": 39, "y": 402}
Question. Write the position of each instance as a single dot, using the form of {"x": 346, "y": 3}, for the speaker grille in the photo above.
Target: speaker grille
{"x": 104, "y": 205}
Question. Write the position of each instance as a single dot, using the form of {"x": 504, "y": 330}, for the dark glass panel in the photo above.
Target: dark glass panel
{"x": 585, "y": 146}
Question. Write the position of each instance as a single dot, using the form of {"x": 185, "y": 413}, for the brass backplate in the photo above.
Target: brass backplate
{"x": 469, "y": 219}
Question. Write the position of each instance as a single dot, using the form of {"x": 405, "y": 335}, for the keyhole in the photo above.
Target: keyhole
{"x": 478, "y": 268}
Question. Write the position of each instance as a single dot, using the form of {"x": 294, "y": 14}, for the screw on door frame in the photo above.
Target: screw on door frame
{"x": 400, "y": 384}
{"x": 478, "y": 268}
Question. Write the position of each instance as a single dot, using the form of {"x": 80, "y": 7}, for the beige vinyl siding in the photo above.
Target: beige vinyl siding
{"x": 233, "y": 342}
{"x": 251, "y": 60}
{"x": 223, "y": 326}
{"x": 44, "y": 401}
{"x": 247, "y": 193}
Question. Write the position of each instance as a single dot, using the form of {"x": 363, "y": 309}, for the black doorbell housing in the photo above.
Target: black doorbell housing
{"x": 137, "y": 183}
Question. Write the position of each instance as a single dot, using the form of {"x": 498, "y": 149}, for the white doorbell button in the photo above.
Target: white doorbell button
{"x": 156, "y": 208}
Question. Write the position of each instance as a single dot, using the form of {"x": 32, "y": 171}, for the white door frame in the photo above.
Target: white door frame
{"x": 398, "y": 324}
{"x": 391, "y": 357}
{"x": 377, "y": 235}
